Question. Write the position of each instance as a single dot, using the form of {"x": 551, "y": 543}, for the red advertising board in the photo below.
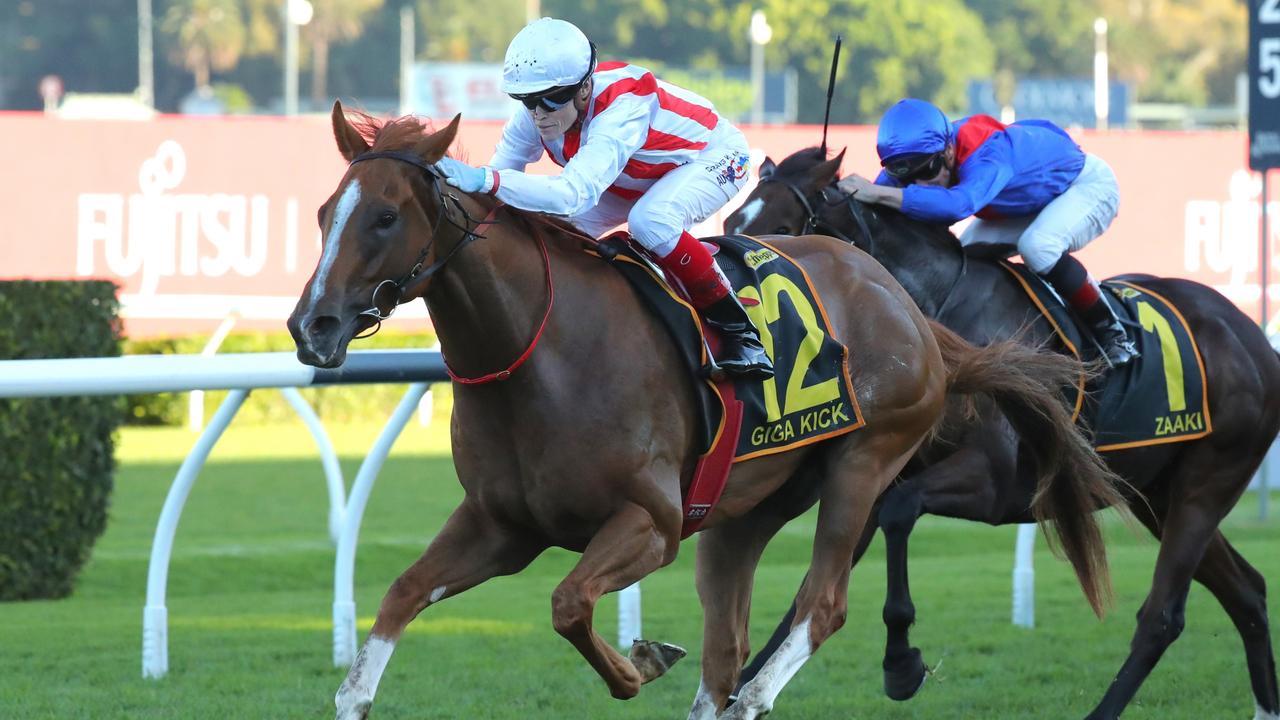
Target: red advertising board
{"x": 197, "y": 218}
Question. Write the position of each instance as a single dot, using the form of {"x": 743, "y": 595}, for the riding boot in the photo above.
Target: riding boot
{"x": 1110, "y": 334}
{"x": 1084, "y": 295}
{"x": 741, "y": 352}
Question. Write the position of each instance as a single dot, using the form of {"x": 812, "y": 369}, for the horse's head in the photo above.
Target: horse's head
{"x": 377, "y": 233}
{"x": 789, "y": 196}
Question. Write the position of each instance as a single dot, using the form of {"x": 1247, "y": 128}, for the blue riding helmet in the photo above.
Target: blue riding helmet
{"x": 912, "y": 127}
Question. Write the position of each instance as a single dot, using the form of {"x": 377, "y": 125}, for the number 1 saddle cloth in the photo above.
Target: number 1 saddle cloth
{"x": 811, "y": 396}
{"x": 1159, "y": 398}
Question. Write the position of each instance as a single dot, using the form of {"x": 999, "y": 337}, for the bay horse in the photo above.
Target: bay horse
{"x": 978, "y": 471}
{"x": 567, "y": 439}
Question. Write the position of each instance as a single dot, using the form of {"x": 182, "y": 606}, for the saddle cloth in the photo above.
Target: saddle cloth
{"x": 1159, "y": 398}
{"x": 811, "y": 396}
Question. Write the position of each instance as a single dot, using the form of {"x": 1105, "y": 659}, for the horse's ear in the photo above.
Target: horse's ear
{"x": 767, "y": 168}
{"x": 350, "y": 142}
{"x": 827, "y": 171}
{"x": 433, "y": 147}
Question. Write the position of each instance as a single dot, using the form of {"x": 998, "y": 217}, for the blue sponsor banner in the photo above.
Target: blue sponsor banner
{"x": 1065, "y": 101}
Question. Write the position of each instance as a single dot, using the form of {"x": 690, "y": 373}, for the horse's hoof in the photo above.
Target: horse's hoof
{"x": 652, "y": 659}
{"x": 350, "y": 706}
{"x": 357, "y": 711}
{"x": 904, "y": 675}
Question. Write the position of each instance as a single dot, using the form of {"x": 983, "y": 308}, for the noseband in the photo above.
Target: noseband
{"x": 418, "y": 272}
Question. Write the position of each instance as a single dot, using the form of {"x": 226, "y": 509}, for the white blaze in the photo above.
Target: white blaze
{"x": 750, "y": 212}
{"x": 341, "y": 214}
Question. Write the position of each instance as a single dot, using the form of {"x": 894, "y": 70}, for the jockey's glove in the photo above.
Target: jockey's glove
{"x": 464, "y": 177}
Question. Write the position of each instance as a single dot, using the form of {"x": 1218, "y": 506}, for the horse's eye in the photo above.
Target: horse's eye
{"x": 386, "y": 220}
{"x": 782, "y": 230}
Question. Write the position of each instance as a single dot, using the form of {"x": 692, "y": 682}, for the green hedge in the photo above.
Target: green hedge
{"x": 342, "y": 403}
{"x": 56, "y": 459}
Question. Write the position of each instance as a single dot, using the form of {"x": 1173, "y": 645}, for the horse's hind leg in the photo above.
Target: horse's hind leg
{"x": 469, "y": 549}
{"x": 856, "y": 476}
{"x": 783, "y": 629}
{"x": 627, "y": 547}
{"x": 1243, "y": 594}
{"x": 1195, "y": 502}
{"x": 728, "y": 555}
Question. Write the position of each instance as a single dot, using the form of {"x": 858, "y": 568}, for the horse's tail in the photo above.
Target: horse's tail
{"x": 1072, "y": 481}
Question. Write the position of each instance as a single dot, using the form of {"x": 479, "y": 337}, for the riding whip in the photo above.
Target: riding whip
{"x": 831, "y": 88}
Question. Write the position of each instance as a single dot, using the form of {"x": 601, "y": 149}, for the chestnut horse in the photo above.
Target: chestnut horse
{"x": 977, "y": 472}
{"x": 575, "y": 445}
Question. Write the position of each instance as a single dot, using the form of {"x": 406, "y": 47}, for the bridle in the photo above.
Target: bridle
{"x": 418, "y": 272}
{"x": 471, "y": 230}
{"x": 813, "y": 220}
{"x": 832, "y": 196}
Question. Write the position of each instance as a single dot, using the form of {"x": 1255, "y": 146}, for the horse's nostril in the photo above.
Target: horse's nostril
{"x": 322, "y": 326}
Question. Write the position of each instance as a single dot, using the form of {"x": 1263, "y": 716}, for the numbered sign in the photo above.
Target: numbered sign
{"x": 1264, "y": 84}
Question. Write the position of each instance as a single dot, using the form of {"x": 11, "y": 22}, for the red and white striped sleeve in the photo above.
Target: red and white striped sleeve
{"x": 612, "y": 137}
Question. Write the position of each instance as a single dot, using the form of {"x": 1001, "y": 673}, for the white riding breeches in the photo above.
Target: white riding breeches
{"x": 680, "y": 199}
{"x": 1069, "y": 222}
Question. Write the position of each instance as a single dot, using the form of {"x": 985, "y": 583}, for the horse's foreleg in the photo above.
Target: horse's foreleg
{"x": 628, "y": 546}
{"x": 961, "y": 484}
{"x": 727, "y": 558}
{"x": 469, "y": 549}
{"x": 857, "y": 476}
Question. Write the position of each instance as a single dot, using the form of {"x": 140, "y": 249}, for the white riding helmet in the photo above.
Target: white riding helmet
{"x": 546, "y": 54}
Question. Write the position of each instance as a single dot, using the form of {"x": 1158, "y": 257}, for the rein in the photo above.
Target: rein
{"x": 420, "y": 274}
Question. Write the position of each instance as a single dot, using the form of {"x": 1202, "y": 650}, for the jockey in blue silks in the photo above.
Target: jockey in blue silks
{"x": 1028, "y": 184}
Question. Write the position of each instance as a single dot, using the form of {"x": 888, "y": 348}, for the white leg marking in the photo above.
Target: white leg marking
{"x": 356, "y": 693}
{"x": 341, "y": 214}
{"x": 757, "y": 696}
{"x": 703, "y": 707}
{"x": 750, "y": 212}
{"x": 437, "y": 594}
{"x": 1264, "y": 715}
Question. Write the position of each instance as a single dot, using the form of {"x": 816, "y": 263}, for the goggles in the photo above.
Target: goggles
{"x": 914, "y": 167}
{"x": 551, "y": 100}
{"x": 557, "y": 97}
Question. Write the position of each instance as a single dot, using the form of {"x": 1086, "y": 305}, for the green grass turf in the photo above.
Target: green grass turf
{"x": 250, "y": 593}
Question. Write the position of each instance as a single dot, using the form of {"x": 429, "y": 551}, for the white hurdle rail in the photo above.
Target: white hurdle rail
{"x": 240, "y": 374}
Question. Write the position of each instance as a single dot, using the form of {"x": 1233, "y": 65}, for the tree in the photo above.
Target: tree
{"x": 1045, "y": 38}
{"x": 263, "y": 27}
{"x": 1177, "y": 51}
{"x": 333, "y": 21}
{"x": 923, "y": 48}
{"x": 207, "y": 35}
{"x": 462, "y": 30}
{"x": 92, "y": 47}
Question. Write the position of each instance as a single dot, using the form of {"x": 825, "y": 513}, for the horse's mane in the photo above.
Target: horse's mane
{"x": 404, "y": 132}
{"x": 801, "y": 161}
